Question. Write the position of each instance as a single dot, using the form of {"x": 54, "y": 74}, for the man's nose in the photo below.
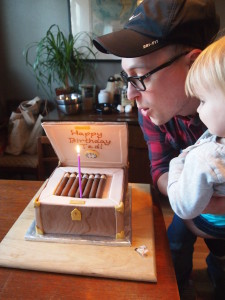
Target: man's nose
{"x": 132, "y": 93}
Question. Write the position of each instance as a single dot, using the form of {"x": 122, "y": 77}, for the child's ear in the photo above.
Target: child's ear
{"x": 192, "y": 55}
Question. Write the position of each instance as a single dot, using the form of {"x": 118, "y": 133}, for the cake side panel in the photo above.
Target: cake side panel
{"x": 119, "y": 213}
{"x": 38, "y": 219}
{"x": 76, "y": 220}
{"x": 120, "y": 208}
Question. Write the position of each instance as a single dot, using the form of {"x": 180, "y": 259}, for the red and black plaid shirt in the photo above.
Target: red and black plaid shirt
{"x": 166, "y": 141}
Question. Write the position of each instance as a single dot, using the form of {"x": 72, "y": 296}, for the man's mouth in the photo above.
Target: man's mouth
{"x": 146, "y": 111}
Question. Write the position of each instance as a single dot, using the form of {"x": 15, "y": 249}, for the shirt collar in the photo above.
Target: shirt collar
{"x": 191, "y": 119}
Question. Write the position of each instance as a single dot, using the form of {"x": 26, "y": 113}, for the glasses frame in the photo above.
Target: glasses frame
{"x": 141, "y": 79}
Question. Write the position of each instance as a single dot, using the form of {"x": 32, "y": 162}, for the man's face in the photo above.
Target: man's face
{"x": 164, "y": 96}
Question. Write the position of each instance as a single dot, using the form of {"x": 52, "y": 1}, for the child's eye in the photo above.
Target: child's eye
{"x": 202, "y": 101}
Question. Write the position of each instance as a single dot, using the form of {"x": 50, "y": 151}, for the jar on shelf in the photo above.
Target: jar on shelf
{"x": 104, "y": 97}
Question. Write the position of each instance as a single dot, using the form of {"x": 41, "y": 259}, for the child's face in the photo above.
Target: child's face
{"x": 212, "y": 110}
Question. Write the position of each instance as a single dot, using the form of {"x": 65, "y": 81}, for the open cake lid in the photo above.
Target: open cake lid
{"x": 102, "y": 144}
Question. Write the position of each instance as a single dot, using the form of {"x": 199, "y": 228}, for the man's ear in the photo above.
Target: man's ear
{"x": 192, "y": 55}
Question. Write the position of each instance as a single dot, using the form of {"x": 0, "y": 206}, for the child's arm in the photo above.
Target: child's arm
{"x": 190, "y": 185}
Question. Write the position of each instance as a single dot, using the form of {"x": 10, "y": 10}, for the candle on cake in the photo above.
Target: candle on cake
{"x": 79, "y": 169}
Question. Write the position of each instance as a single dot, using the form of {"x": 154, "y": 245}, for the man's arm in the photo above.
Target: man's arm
{"x": 162, "y": 183}
{"x": 160, "y": 151}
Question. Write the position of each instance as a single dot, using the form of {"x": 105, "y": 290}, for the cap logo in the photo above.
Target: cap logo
{"x": 133, "y": 17}
{"x": 150, "y": 44}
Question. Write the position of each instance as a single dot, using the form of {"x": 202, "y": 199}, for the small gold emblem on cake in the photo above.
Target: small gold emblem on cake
{"x": 36, "y": 202}
{"x": 120, "y": 235}
{"x": 91, "y": 154}
{"x": 39, "y": 230}
{"x": 76, "y": 215}
{"x": 120, "y": 207}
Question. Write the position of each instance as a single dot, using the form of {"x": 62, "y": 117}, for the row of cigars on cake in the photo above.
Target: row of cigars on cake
{"x": 92, "y": 185}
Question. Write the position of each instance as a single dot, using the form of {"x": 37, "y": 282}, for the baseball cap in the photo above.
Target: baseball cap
{"x": 158, "y": 23}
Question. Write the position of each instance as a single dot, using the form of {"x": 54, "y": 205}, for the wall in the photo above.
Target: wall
{"x": 25, "y": 21}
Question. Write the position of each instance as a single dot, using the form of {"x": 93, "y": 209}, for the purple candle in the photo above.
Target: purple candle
{"x": 79, "y": 171}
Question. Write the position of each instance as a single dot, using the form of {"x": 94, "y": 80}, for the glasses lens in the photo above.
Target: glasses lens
{"x": 124, "y": 77}
{"x": 137, "y": 84}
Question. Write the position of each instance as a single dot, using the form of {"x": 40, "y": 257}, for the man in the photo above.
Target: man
{"x": 158, "y": 45}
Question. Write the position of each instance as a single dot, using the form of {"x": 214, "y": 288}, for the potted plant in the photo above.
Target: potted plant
{"x": 60, "y": 59}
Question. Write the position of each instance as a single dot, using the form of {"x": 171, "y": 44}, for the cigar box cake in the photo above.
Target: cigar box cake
{"x": 85, "y": 194}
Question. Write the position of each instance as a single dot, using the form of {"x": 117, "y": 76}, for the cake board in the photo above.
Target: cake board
{"x": 88, "y": 260}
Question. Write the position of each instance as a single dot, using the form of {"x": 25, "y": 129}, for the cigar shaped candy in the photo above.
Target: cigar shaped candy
{"x": 83, "y": 184}
{"x": 62, "y": 184}
{"x": 94, "y": 186}
{"x": 101, "y": 186}
{"x": 73, "y": 189}
{"x": 68, "y": 185}
{"x": 88, "y": 186}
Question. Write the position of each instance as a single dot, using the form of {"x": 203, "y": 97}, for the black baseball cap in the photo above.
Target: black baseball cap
{"x": 158, "y": 23}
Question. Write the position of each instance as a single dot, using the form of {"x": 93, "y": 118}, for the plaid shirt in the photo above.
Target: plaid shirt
{"x": 166, "y": 141}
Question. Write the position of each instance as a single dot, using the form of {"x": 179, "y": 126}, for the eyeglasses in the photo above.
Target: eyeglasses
{"x": 138, "y": 81}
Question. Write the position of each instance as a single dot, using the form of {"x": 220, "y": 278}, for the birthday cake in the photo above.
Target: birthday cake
{"x": 85, "y": 201}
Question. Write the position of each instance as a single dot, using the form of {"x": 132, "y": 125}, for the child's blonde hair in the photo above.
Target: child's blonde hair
{"x": 208, "y": 70}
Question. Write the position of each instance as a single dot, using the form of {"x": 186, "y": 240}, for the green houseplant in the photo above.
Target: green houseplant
{"x": 60, "y": 59}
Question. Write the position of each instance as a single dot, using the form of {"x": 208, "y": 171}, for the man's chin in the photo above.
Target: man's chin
{"x": 156, "y": 121}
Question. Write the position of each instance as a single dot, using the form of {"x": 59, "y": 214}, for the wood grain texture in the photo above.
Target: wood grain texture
{"x": 98, "y": 221}
{"x": 23, "y": 284}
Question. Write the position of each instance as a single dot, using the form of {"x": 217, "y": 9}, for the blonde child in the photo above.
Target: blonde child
{"x": 198, "y": 173}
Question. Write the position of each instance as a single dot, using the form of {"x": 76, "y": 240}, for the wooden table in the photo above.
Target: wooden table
{"x": 22, "y": 284}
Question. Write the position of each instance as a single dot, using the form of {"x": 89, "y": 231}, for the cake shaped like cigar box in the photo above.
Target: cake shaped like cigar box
{"x": 85, "y": 194}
